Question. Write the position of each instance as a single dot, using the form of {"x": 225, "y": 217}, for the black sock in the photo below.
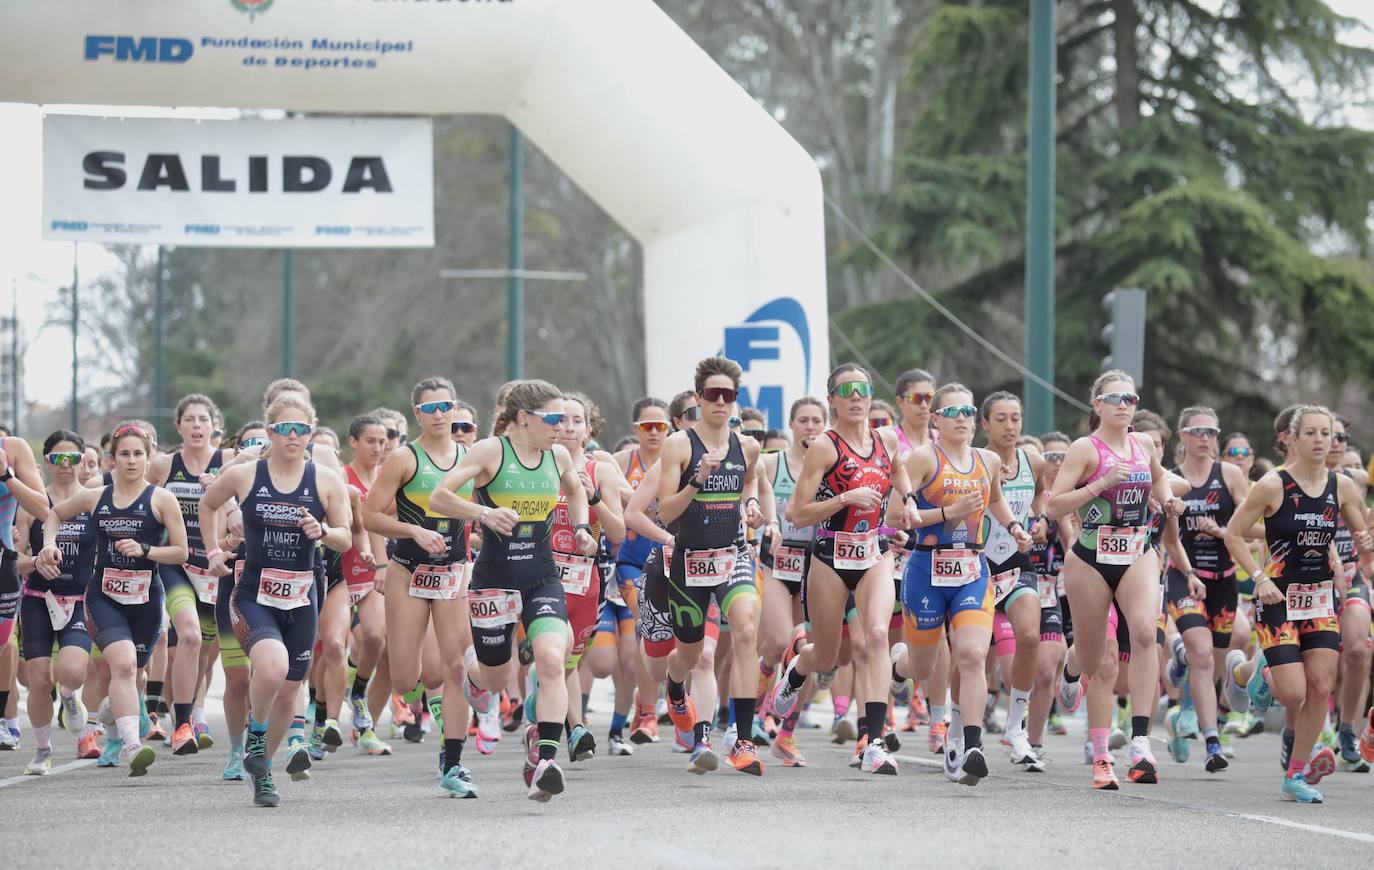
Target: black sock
{"x": 1171, "y": 704}
{"x": 453, "y": 753}
{"x": 863, "y": 729}
{"x": 1068, "y": 678}
{"x": 1054, "y": 706}
{"x": 700, "y": 732}
{"x": 586, "y": 701}
{"x": 548, "y": 740}
{"x": 4, "y": 702}
{"x": 744, "y": 717}
{"x": 359, "y": 686}
{"x": 677, "y": 692}
{"x": 896, "y": 677}
{"x": 183, "y": 714}
{"x": 973, "y": 737}
{"x": 321, "y": 712}
{"x": 53, "y": 693}
{"x": 875, "y": 714}
{"x": 795, "y": 678}
{"x": 1140, "y": 726}
{"x": 1122, "y": 701}
{"x": 154, "y": 696}
{"x": 723, "y": 715}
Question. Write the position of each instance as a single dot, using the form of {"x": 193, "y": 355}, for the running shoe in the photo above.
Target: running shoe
{"x": 1296, "y": 788}
{"x": 9, "y": 741}
{"x": 765, "y": 684}
{"x": 265, "y": 790}
{"x": 878, "y": 760}
{"x": 546, "y": 781}
{"x": 73, "y": 714}
{"x": 204, "y": 739}
{"x": 615, "y": 745}
{"x": 488, "y": 734}
{"x": 1056, "y": 725}
{"x": 332, "y": 738}
{"x": 413, "y": 733}
{"x": 362, "y": 717}
{"x": 1226, "y": 748}
{"x": 994, "y": 717}
{"x": 138, "y": 758}
{"x": 87, "y": 746}
{"x": 1367, "y": 739}
{"x": 683, "y": 714}
{"x": 315, "y": 746}
{"x": 512, "y": 714}
{"x": 900, "y": 689}
{"x": 759, "y": 733}
{"x": 581, "y": 744}
{"x": 857, "y": 759}
{"x": 1187, "y": 720}
{"x": 1178, "y": 745}
{"x": 784, "y": 696}
{"x": 890, "y": 739}
{"x": 825, "y": 679}
{"x": 145, "y": 722}
{"x": 400, "y": 711}
{"x": 1104, "y": 776}
{"x": 531, "y": 753}
{"x": 1143, "y": 767}
{"x": 1117, "y": 738}
{"x": 1023, "y": 753}
{"x": 155, "y": 730}
{"x": 744, "y": 757}
{"x": 703, "y": 759}
{"x": 785, "y": 748}
{"x": 842, "y": 731}
{"x": 427, "y": 721}
{"x": 458, "y": 782}
{"x": 184, "y": 740}
{"x": 1178, "y": 663}
{"x": 1070, "y": 694}
{"x": 1258, "y": 688}
{"x": 645, "y": 730}
{"x": 1235, "y": 724}
{"x": 1327, "y": 738}
{"x": 935, "y": 740}
{"x": 917, "y": 711}
{"x": 233, "y": 767}
{"x": 972, "y": 766}
{"x": 727, "y": 741}
{"x": 1237, "y": 698}
{"x": 369, "y": 742}
{"x": 953, "y": 756}
{"x": 1216, "y": 759}
{"x": 41, "y": 764}
{"x": 1253, "y": 725}
{"x": 109, "y": 756}
{"x": 297, "y": 761}
{"x": 1322, "y": 765}
{"x": 525, "y": 651}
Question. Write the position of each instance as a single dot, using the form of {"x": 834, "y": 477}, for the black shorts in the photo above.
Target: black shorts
{"x": 824, "y": 552}
{"x": 9, "y": 585}
{"x": 295, "y": 629}
{"x": 1216, "y": 612}
{"x": 1284, "y": 640}
{"x": 651, "y": 591}
{"x": 544, "y": 603}
{"x": 109, "y": 622}
{"x": 1051, "y": 614}
{"x": 38, "y": 635}
{"x": 1025, "y": 582}
{"x": 794, "y": 587}
{"x": 688, "y": 604}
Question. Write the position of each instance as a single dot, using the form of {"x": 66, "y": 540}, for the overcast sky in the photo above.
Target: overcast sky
{"x": 35, "y": 268}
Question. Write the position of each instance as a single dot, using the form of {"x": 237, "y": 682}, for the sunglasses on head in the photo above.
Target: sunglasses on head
{"x": 250, "y": 443}
{"x": 1239, "y": 452}
{"x": 1055, "y": 455}
{"x": 918, "y": 398}
{"x": 1201, "y": 431}
{"x": 444, "y": 406}
{"x": 851, "y": 389}
{"x": 1122, "y": 398}
{"x": 552, "y": 419}
{"x": 64, "y": 459}
{"x": 719, "y": 394}
{"x": 129, "y": 429}
{"x": 692, "y": 413}
{"x": 291, "y": 427}
{"x": 462, "y": 426}
{"x": 652, "y": 425}
{"x": 955, "y": 411}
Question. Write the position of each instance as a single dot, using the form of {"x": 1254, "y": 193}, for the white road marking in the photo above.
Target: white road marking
{"x": 61, "y": 768}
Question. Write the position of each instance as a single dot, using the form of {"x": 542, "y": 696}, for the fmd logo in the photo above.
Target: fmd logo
{"x": 773, "y": 346}
{"x": 140, "y": 49}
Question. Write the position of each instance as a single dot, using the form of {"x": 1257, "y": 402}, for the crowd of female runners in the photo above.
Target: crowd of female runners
{"x": 720, "y": 574}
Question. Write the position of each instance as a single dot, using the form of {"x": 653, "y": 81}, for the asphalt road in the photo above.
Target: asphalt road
{"x": 648, "y": 810}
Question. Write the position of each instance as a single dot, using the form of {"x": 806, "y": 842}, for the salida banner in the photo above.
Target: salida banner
{"x": 317, "y": 182}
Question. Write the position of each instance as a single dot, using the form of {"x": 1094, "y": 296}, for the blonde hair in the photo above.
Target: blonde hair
{"x": 527, "y": 396}
{"x": 290, "y": 400}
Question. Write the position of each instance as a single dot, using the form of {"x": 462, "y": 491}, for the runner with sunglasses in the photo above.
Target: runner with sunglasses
{"x": 518, "y": 477}
{"x": 785, "y": 556}
{"x": 1353, "y": 612}
{"x": 52, "y": 612}
{"x": 424, "y": 575}
{"x": 464, "y": 425}
{"x": 881, "y": 414}
{"x": 288, "y": 504}
{"x": 708, "y": 477}
{"x": 1201, "y": 594}
{"x": 946, "y": 584}
{"x": 1108, "y": 479}
{"x": 652, "y": 425}
{"x": 1297, "y": 592}
{"x": 124, "y": 594}
{"x": 843, "y": 492}
{"x": 190, "y": 589}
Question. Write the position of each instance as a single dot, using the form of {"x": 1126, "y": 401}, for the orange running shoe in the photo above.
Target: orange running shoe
{"x": 917, "y": 712}
{"x": 1367, "y": 739}
{"x": 184, "y": 740}
{"x": 935, "y": 741}
{"x": 744, "y": 757}
{"x": 86, "y": 747}
{"x": 1104, "y": 777}
{"x": 785, "y": 747}
{"x": 645, "y": 729}
{"x": 684, "y": 715}
{"x": 765, "y": 684}
{"x": 155, "y": 730}
{"x": 400, "y": 712}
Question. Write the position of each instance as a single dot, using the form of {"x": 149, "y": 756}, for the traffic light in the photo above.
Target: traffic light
{"x": 1124, "y": 334}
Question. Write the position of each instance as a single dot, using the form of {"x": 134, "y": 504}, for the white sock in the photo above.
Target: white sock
{"x": 1020, "y": 700}
{"x": 128, "y": 732}
{"x": 469, "y": 657}
{"x": 956, "y": 722}
{"x": 198, "y": 716}
{"x": 42, "y": 736}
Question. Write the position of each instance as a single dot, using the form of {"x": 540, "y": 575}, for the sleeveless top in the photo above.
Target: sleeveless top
{"x": 1210, "y": 500}
{"x": 1300, "y": 532}
{"x": 1125, "y": 504}
{"x": 523, "y": 559}
{"x": 852, "y": 470}
{"x": 564, "y": 535}
{"x": 1019, "y": 492}
{"x": 712, "y": 518}
{"x": 76, "y": 539}
{"x": 635, "y": 549}
{"x": 186, "y": 487}
{"x": 355, "y": 573}
{"x": 271, "y": 521}
{"x": 943, "y": 489}
{"x": 412, "y": 506}
{"x": 9, "y": 506}
{"x": 135, "y": 521}
{"x": 784, "y": 484}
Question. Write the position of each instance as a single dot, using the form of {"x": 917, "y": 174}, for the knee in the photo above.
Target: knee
{"x": 40, "y": 681}
{"x": 455, "y": 672}
{"x": 271, "y": 667}
{"x": 744, "y": 635}
{"x": 1028, "y": 638}
{"x": 549, "y": 661}
{"x": 121, "y": 668}
{"x": 969, "y": 659}
{"x": 1319, "y": 685}
{"x": 1143, "y": 635}
{"x": 875, "y": 638}
{"x": 706, "y": 659}
{"x": 370, "y": 636}
{"x": 1357, "y": 655}
{"x": 332, "y": 650}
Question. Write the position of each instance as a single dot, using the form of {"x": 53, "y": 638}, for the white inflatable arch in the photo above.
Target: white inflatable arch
{"x": 727, "y": 206}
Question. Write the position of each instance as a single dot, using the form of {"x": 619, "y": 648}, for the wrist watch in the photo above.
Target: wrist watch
{"x": 147, "y": 548}
{"x": 586, "y": 527}
{"x": 8, "y": 474}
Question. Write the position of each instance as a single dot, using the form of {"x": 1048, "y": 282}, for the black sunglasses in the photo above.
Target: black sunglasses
{"x": 462, "y": 426}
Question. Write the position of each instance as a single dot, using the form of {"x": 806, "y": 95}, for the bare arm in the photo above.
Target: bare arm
{"x": 168, "y": 511}
{"x": 609, "y": 512}
{"x": 636, "y": 512}
{"x": 27, "y": 483}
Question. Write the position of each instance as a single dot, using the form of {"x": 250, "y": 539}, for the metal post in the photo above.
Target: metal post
{"x": 1040, "y": 219}
{"x": 14, "y": 355}
{"x": 515, "y": 283}
{"x": 159, "y": 373}
{"x": 76, "y": 319}
{"x": 288, "y": 306}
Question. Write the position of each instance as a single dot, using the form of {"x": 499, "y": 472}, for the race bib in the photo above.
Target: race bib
{"x": 789, "y": 563}
{"x": 1003, "y": 583}
{"x": 284, "y": 590}
{"x": 434, "y": 582}
{"x": 899, "y": 561}
{"x": 126, "y": 587}
{"x": 708, "y": 567}
{"x": 206, "y": 586}
{"x": 1120, "y": 545}
{"x": 1310, "y": 601}
{"x": 856, "y": 551}
{"x": 1049, "y": 594}
{"x": 575, "y": 572}
{"x": 358, "y": 593}
{"x": 493, "y": 608}
{"x": 954, "y": 567}
{"x": 60, "y": 608}
{"x": 1059, "y": 585}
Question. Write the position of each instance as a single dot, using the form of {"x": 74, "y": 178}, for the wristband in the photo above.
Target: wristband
{"x": 595, "y": 498}
{"x": 694, "y": 483}
{"x": 943, "y": 518}
{"x": 755, "y": 501}
{"x": 584, "y": 527}
{"x": 912, "y": 496}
